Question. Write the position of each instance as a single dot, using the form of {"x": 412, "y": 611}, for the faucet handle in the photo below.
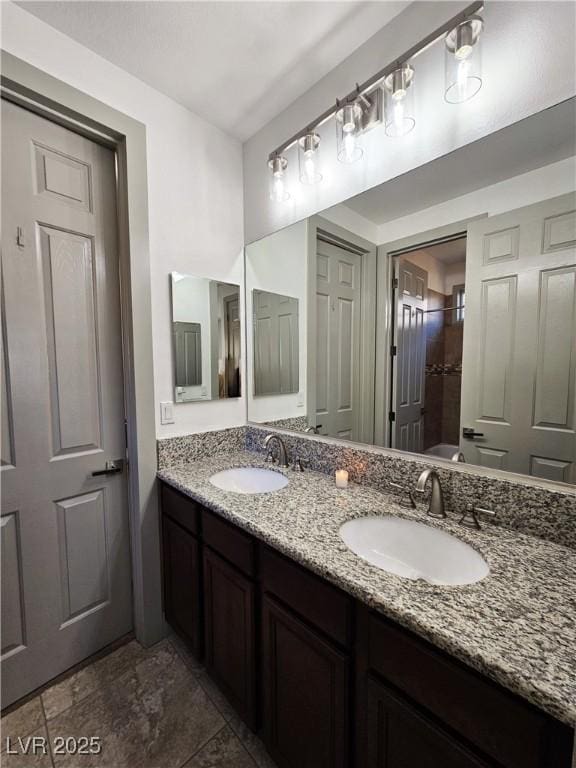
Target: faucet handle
{"x": 270, "y": 458}
{"x": 403, "y": 490}
{"x": 470, "y": 517}
{"x": 298, "y": 464}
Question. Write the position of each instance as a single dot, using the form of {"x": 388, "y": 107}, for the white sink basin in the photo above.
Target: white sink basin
{"x": 414, "y": 550}
{"x": 249, "y": 480}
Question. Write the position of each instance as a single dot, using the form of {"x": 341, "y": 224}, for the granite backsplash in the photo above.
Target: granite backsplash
{"x": 531, "y": 509}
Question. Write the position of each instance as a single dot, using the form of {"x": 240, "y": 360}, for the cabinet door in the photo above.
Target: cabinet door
{"x": 398, "y": 736}
{"x": 229, "y": 599}
{"x": 182, "y": 583}
{"x": 306, "y": 693}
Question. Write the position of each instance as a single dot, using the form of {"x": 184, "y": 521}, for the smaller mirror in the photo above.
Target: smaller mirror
{"x": 276, "y": 348}
{"x": 206, "y": 339}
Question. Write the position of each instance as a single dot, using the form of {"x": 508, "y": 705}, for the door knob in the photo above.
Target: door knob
{"x": 470, "y": 434}
{"x": 111, "y": 468}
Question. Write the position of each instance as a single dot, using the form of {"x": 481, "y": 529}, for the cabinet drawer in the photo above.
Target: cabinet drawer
{"x": 320, "y": 603}
{"x": 180, "y": 508}
{"x": 502, "y": 725}
{"x": 230, "y": 542}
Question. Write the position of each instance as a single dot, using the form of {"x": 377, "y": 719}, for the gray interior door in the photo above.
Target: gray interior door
{"x": 410, "y": 361}
{"x": 276, "y": 344}
{"x": 188, "y": 353}
{"x": 338, "y": 338}
{"x": 519, "y": 361}
{"x": 66, "y": 588}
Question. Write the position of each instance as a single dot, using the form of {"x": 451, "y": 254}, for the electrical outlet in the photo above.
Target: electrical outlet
{"x": 167, "y": 413}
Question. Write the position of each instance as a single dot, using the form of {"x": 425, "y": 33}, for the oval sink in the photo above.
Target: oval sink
{"x": 414, "y": 550}
{"x": 249, "y": 480}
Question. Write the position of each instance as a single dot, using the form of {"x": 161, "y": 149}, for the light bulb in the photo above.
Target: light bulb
{"x": 463, "y": 67}
{"x": 399, "y": 101}
{"x": 309, "y": 168}
{"x": 348, "y": 128}
{"x": 309, "y": 149}
{"x": 278, "y": 191}
{"x": 463, "y": 52}
{"x": 349, "y": 146}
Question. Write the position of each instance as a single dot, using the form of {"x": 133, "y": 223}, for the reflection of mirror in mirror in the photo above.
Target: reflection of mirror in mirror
{"x": 438, "y": 310}
{"x": 206, "y": 335}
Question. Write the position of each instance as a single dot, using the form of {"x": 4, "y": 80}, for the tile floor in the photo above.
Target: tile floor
{"x": 151, "y": 708}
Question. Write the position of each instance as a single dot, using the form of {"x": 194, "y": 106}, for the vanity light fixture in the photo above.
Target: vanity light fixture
{"x": 309, "y": 158}
{"x": 399, "y": 101}
{"x": 361, "y": 109}
{"x": 348, "y": 130}
{"x": 278, "y": 191}
{"x": 463, "y": 61}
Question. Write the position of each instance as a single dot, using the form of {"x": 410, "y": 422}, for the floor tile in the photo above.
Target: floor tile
{"x": 39, "y": 758}
{"x": 22, "y": 721}
{"x": 81, "y": 684}
{"x": 252, "y": 743}
{"x": 218, "y": 698}
{"x": 186, "y": 654}
{"x": 223, "y": 751}
{"x": 155, "y": 715}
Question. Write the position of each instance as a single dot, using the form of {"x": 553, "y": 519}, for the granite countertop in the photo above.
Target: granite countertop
{"x": 517, "y": 626}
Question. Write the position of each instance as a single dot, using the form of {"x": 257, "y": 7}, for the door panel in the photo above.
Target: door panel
{"x": 13, "y": 633}
{"x": 68, "y": 580}
{"x": 338, "y": 339}
{"x": 276, "y": 344}
{"x": 519, "y": 362}
{"x": 306, "y": 693}
{"x": 410, "y": 361}
{"x": 72, "y": 345}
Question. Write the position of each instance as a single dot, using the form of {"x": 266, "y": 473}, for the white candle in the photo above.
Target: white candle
{"x": 341, "y": 478}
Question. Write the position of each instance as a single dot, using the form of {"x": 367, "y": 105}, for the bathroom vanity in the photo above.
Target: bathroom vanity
{"x": 337, "y": 663}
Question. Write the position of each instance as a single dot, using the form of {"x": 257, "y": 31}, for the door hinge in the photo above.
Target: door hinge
{"x": 395, "y": 282}
{"x": 393, "y": 350}
{"x": 391, "y": 416}
{"x": 126, "y": 440}
{"x": 20, "y": 237}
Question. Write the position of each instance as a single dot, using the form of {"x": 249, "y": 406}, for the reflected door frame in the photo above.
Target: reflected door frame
{"x": 385, "y": 312}
{"x": 366, "y": 375}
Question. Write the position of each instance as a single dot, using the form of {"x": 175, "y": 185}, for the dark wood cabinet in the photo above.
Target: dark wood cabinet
{"x": 306, "y": 690}
{"x": 183, "y": 584}
{"x": 230, "y": 636}
{"x": 334, "y": 683}
{"x": 400, "y": 736}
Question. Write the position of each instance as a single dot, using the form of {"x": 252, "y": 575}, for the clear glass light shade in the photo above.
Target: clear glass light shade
{"x": 348, "y": 133}
{"x": 399, "y": 101}
{"x": 463, "y": 54}
{"x": 278, "y": 188}
{"x": 309, "y": 158}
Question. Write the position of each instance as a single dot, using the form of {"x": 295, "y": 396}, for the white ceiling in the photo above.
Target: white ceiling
{"x": 509, "y": 152}
{"x": 450, "y": 252}
{"x": 237, "y": 64}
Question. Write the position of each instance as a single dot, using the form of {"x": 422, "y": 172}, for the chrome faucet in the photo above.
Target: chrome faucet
{"x": 282, "y": 455}
{"x": 436, "y": 506}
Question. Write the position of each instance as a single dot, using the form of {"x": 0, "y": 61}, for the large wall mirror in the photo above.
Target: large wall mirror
{"x": 437, "y": 312}
{"x": 206, "y": 336}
